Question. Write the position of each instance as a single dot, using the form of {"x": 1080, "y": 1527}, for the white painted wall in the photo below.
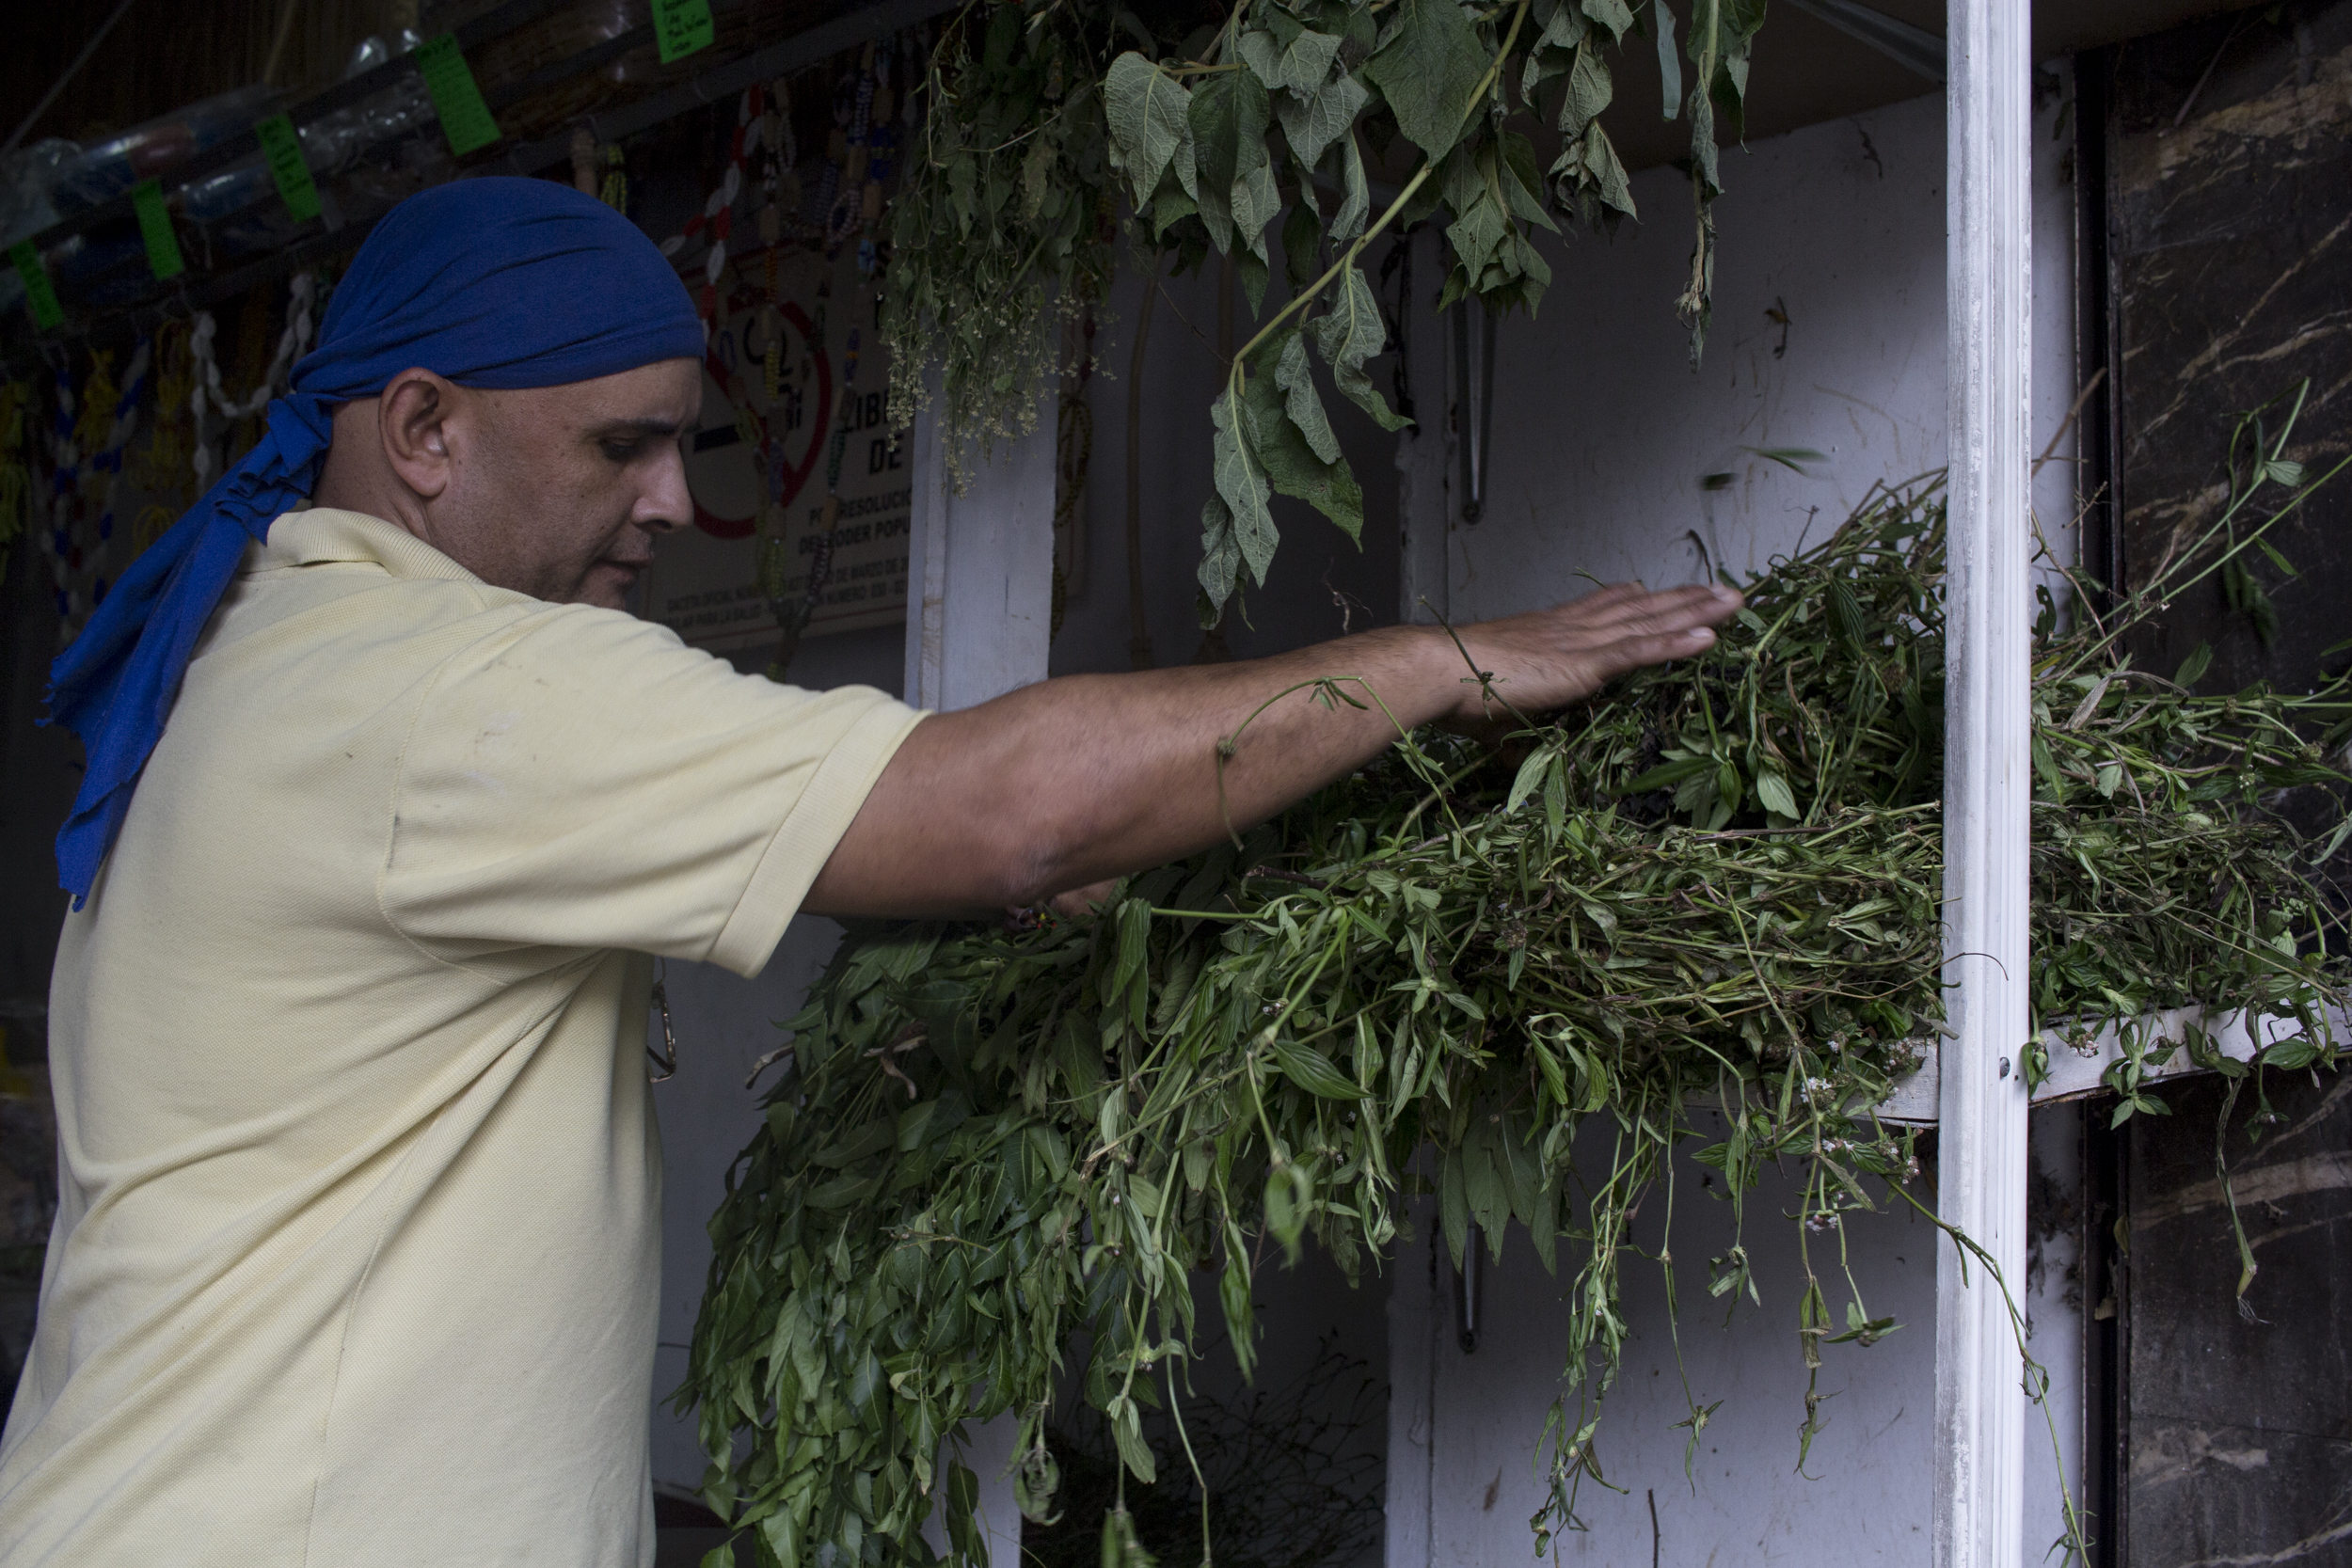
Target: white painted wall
{"x": 1602, "y": 437}
{"x": 1603, "y": 432}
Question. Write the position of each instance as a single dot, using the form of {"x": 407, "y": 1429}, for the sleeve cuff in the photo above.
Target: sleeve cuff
{"x": 805, "y": 839}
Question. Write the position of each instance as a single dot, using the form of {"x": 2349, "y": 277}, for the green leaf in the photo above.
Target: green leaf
{"x": 1229, "y": 119}
{"x": 1126, "y": 1424}
{"x": 1346, "y": 334}
{"x": 1523, "y": 782}
{"x": 1170, "y": 205}
{"x": 1590, "y": 91}
{"x": 2193, "y": 668}
{"x": 1667, "y": 773}
{"x": 1428, "y": 70}
{"x": 1612, "y": 15}
{"x": 1302, "y": 237}
{"x": 1311, "y": 124}
{"x": 1263, "y": 54}
{"x": 1148, "y": 111}
{"x": 1291, "y": 464}
{"x": 1289, "y": 1199}
{"x": 1220, "y": 551}
{"x": 2296, "y": 1050}
{"x": 1312, "y": 1070}
{"x": 1242, "y": 485}
{"x": 1134, "y": 936}
{"x": 1521, "y": 185}
{"x": 1255, "y": 202}
{"x": 1564, "y": 28}
{"x": 1301, "y": 66}
{"x": 1356, "y": 204}
{"x": 1305, "y": 407}
{"x": 1772, "y": 790}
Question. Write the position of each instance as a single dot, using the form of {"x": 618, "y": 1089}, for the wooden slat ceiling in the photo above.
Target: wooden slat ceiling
{"x": 1807, "y": 72}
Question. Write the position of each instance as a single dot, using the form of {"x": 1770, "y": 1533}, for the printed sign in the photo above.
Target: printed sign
{"x": 282, "y": 146}
{"x": 682, "y": 28}
{"x": 456, "y": 100}
{"x": 758, "y": 465}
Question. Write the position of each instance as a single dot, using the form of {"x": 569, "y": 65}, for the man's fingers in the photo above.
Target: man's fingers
{"x": 1636, "y": 609}
{"x": 1662, "y": 614}
{"x": 1635, "y": 653}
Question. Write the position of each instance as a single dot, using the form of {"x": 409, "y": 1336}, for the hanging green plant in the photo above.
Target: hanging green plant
{"x": 1038, "y": 131}
{"x": 1715, "y": 890}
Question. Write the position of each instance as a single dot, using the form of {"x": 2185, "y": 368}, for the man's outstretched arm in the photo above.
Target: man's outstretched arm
{"x": 1067, "y": 783}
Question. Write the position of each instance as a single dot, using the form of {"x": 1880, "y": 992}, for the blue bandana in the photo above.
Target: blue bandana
{"x": 492, "y": 283}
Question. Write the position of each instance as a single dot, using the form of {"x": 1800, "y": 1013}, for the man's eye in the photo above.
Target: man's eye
{"x": 620, "y": 452}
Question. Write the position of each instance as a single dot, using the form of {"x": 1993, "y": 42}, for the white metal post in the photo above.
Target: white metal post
{"x": 1981, "y": 1168}
{"x": 980, "y": 568}
{"x": 979, "y": 619}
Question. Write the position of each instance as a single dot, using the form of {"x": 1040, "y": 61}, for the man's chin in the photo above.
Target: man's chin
{"x": 608, "y": 584}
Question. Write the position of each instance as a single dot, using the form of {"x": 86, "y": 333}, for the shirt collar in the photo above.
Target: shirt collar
{"x": 321, "y": 535}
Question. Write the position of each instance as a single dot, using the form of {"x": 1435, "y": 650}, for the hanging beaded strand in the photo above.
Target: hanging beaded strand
{"x": 91, "y": 441}
{"x": 207, "y": 398}
{"x": 17, "y": 404}
{"x": 108, "y": 460}
{"x": 855, "y": 208}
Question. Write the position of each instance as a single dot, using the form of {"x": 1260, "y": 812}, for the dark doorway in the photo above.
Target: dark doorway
{"x": 2215, "y": 164}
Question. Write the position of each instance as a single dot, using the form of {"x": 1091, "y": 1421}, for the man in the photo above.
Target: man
{"x": 356, "y": 1258}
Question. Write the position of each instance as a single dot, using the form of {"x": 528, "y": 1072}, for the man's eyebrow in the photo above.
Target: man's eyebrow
{"x": 641, "y": 427}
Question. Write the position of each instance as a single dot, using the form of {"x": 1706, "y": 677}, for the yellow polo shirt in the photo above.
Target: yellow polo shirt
{"x": 357, "y": 1250}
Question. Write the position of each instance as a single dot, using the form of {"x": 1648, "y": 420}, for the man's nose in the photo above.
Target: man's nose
{"x": 667, "y": 505}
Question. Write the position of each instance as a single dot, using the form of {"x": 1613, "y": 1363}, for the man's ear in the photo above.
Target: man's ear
{"x": 413, "y": 416}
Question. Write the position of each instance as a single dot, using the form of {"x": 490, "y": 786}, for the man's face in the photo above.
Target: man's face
{"x": 562, "y": 489}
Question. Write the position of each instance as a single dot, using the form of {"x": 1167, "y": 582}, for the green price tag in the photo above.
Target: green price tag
{"x": 682, "y": 27}
{"x": 283, "y": 148}
{"x": 465, "y": 119}
{"x": 163, "y": 246}
{"x": 39, "y": 296}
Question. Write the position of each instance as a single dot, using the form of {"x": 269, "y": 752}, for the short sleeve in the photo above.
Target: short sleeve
{"x": 580, "y": 779}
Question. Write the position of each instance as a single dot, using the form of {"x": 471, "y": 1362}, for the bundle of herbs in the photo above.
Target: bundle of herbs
{"x": 1716, "y": 885}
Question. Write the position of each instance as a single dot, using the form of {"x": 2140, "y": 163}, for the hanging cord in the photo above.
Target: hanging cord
{"x": 666, "y": 1058}
{"x": 855, "y": 203}
{"x": 1073, "y": 455}
{"x": 1138, "y": 620}
{"x": 17, "y": 402}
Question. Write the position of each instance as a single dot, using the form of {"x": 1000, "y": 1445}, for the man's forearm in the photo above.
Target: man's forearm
{"x": 1067, "y": 783}
{"x": 1071, "y": 781}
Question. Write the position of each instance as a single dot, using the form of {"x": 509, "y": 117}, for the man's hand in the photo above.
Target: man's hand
{"x": 1547, "y": 658}
{"x": 1065, "y": 783}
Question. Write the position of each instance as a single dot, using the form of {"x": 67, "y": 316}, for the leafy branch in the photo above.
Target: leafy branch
{"x": 1208, "y": 139}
